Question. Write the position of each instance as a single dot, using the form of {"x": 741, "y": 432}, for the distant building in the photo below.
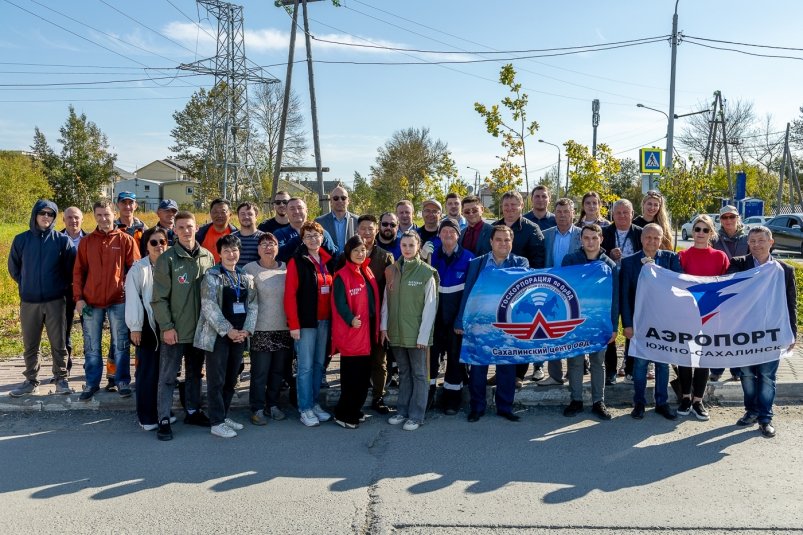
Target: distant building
{"x": 167, "y": 169}
{"x": 148, "y": 192}
{"x": 181, "y": 191}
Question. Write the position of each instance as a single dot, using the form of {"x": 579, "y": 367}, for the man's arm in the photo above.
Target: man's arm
{"x": 15, "y": 259}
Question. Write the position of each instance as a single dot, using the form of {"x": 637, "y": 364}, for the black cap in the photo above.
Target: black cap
{"x": 449, "y": 223}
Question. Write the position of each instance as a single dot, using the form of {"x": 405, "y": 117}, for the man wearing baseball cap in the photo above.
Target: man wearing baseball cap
{"x": 431, "y": 209}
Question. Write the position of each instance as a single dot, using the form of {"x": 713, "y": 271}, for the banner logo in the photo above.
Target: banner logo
{"x": 538, "y": 307}
{"x": 709, "y": 296}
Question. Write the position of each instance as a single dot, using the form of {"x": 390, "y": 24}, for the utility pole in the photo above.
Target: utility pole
{"x": 714, "y": 146}
{"x": 670, "y": 129}
{"x": 277, "y": 165}
{"x": 788, "y": 165}
{"x": 323, "y": 197}
{"x": 595, "y": 124}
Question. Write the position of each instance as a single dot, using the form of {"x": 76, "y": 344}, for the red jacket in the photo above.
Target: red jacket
{"x": 305, "y": 304}
{"x": 348, "y": 340}
{"x": 101, "y": 264}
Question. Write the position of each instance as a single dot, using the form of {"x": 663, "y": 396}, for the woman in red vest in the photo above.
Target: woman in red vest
{"x": 355, "y": 325}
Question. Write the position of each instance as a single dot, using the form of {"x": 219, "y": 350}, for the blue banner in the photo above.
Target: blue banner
{"x": 518, "y": 315}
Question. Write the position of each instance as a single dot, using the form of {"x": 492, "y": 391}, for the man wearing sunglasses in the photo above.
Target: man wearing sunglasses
{"x": 476, "y": 237}
{"x": 387, "y": 238}
{"x": 339, "y": 223}
{"x": 40, "y": 262}
{"x": 280, "y": 219}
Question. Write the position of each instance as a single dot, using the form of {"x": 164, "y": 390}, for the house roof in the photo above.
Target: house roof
{"x": 312, "y": 185}
{"x": 122, "y": 173}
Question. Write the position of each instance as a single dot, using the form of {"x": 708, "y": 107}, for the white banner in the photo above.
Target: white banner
{"x": 711, "y": 322}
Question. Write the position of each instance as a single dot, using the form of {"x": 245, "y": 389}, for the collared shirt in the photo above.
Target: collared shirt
{"x": 401, "y": 231}
{"x": 507, "y": 262}
{"x": 561, "y": 245}
{"x": 548, "y": 221}
{"x": 472, "y": 235}
{"x": 340, "y": 229}
{"x": 75, "y": 241}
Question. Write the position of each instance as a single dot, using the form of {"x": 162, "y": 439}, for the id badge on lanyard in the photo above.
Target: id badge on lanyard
{"x": 322, "y": 268}
{"x": 237, "y": 307}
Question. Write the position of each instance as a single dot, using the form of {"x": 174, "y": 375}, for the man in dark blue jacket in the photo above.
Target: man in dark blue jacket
{"x": 40, "y": 262}
{"x": 451, "y": 262}
{"x": 630, "y": 269}
{"x": 500, "y": 257}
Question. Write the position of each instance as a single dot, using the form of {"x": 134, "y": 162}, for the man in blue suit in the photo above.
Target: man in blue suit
{"x": 339, "y": 223}
{"x": 476, "y": 236}
{"x": 560, "y": 241}
{"x": 629, "y": 273}
{"x": 500, "y": 257}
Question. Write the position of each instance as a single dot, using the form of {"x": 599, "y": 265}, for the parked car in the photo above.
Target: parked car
{"x": 685, "y": 230}
{"x": 787, "y": 230}
{"x": 755, "y": 220}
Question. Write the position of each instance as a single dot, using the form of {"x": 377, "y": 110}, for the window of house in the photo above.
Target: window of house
{"x": 147, "y": 188}
{"x": 189, "y": 190}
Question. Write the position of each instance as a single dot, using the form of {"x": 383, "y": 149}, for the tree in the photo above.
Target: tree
{"x": 408, "y": 165}
{"x": 766, "y": 145}
{"x": 739, "y": 121}
{"x": 686, "y": 192}
{"x": 84, "y": 165}
{"x": 364, "y": 198}
{"x": 22, "y": 181}
{"x": 590, "y": 173}
{"x": 796, "y": 131}
{"x": 513, "y": 131}
{"x": 266, "y": 107}
{"x": 626, "y": 183}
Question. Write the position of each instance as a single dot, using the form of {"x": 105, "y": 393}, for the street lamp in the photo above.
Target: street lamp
{"x": 567, "y": 174}
{"x": 476, "y": 180}
{"x": 667, "y": 164}
{"x": 653, "y": 109}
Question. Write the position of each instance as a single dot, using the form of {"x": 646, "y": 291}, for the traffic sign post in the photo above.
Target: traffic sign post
{"x": 651, "y": 160}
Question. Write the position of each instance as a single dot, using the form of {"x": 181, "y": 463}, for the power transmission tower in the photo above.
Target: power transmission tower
{"x": 228, "y": 158}
{"x": 717, "y": 124}
{"x": 788, "y": 167}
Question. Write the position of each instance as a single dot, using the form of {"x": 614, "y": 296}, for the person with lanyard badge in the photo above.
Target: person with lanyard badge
{"x": 731, "y": 240}
{"x": 271, "y": 345}
{"x": 307, "y": 303}
{"x": 619, "y": 240}
{"x": 143, "y": 328}
{"x": 355, "y": 330}
{"x": 408, "y": 315}
{"x": 589, "y": 212}
{"x": 229, "y": 309}
{"x": 653, "y": 210}
{"x": 702, "y": 260}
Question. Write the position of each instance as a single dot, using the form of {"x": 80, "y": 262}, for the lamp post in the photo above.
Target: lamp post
{"x": 558, "y": 169}
{"x": 476, "y": 180}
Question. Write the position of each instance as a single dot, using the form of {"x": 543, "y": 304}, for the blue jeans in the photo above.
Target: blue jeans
{"x": 640, "y": 381}
{"x": 758, "y": 385}
{"x": 311, "y": 354}
{"x": 93, "y": 331}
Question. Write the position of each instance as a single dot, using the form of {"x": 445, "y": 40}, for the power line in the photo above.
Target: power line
{"x": 126, "y": 15}
{"x": 744, "y": 44}
{"x": 58, "y": 84}
{"x": 74, "y": 66}
{"x": 745, "y": 52}
{"x": 90, "y": 100}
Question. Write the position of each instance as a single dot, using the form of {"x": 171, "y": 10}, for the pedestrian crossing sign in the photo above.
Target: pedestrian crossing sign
{"x": 651, "y": 160}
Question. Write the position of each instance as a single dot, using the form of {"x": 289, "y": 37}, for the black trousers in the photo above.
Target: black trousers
{"x": 354, "y": 375}
{"x": 692, "y": 381}
{"x": 446, "y": 341}
{"x": 222, "y": 365}
{"x": 267, "y": 374}
{"x": 147, "y": 375}
{"x": 612, "y": 358}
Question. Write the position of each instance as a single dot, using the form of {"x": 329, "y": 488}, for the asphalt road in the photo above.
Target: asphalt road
{"x": 99, "y": 472}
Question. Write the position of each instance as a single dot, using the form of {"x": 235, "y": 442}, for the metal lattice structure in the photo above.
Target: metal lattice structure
{"x": 228, "y": 159}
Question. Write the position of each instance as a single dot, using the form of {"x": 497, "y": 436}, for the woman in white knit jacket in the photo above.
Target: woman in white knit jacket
{"x": 143, "y": 327}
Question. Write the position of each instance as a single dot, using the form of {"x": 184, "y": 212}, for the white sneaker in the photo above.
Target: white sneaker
{"x": 396, "y": 419}
{"x": 410, "y": 425}
{"x": 309, "y": 419}
{"x": 234, "y": 425}
{"x": 223, "y": 431}
{"x": 149, "y": 427}
{"x": 321, "y": 414}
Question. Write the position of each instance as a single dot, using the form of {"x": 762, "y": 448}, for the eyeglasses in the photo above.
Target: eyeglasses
{"x": 340, "y": 198}
{"x": 430, "y": 212}
{"x": 47, "y": 213}
{"x": 388, "y": 224}
{"x": 469, "y": 211}
{"x": 268, "y": 244}
{"x": 728, "y": 216}
{"x": 281, "y": 201}
{"x": 705, "y": 230}
{"x": 155, "y": 243}
{"x": 312, "y": 236}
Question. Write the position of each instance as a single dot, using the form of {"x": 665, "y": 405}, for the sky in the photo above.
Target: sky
{"x": 56, "y": 53}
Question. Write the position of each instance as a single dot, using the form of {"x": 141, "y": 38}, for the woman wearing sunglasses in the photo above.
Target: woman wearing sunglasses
{"x": 702, "y": 260}
{"x": 144, "y": 329}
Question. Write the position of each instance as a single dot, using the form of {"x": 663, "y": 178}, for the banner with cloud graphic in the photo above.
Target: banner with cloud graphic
{"x": 711, "y": 322}
{"x": 518, "y": 315}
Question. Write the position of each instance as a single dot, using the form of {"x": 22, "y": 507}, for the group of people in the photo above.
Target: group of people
{"x": 378, "y": 291}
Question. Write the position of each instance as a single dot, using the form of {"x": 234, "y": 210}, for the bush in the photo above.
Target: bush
{"x": 22, "y": 183}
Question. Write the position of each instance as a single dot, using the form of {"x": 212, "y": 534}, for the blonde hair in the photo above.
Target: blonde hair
{"x": 705, "y": 218}
{"x": 661, "y": 218}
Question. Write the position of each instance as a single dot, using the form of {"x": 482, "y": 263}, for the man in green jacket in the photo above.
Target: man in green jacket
{"x": 176, "y": 304}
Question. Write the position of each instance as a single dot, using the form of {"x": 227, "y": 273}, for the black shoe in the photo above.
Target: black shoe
{"x": 767, "y": 429}
{"x": 450, "y": 411}
{"x": 88, "y": 392}
{"x": 509, "y": 416}
{"x": 111, "y": 386}
{"x": 492, "y": 380}
{"x": 747, "y": 419}
{"x": 197, "y": 418}
{"x": 475, "y": 416}
{"x": 666, "y": 411}
{"x": 164, "y": 432}
{"x": 573, "y": 408}
{"x": 699, "y": 411}
{"x": 601, "y": 410}
{"x": 638, "y": 411}
{"x": 378, "y": 405}
{"x": 685, "y": 406}
{"x": 124, "y": 390}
